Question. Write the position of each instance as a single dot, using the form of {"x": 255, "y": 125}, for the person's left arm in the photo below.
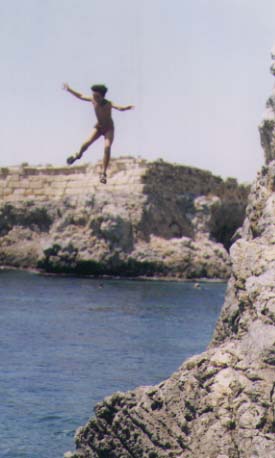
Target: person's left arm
{"x": 122, "y": 108}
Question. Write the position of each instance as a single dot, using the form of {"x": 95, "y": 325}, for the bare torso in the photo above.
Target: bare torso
{"x": 103, "y": 112}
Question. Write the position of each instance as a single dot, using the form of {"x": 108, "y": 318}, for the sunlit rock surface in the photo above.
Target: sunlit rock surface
{"x": 152, "y": 218}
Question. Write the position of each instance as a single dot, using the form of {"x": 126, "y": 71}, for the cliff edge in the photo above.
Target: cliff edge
{"x": 220, "y": 404}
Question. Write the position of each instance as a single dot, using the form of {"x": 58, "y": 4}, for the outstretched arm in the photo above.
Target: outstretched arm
{"x": 80, "y": 96}
{"x": 122, "y": 108}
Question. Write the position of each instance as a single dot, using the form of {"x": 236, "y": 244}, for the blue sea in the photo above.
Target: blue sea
{"x": 66, "y": 342}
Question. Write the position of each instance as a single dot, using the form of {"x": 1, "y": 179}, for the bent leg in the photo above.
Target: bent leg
{"x": 91, "y": 139}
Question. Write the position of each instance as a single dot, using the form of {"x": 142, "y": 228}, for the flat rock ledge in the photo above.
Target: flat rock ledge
{"x": 220, "y": 404}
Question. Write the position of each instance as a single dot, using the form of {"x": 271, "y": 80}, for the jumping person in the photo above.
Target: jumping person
{"x": 104, "y": 125}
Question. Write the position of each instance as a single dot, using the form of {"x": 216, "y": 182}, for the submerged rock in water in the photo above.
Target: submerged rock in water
{"x": 152, "y": 218}
{"x": 219, "y": 404}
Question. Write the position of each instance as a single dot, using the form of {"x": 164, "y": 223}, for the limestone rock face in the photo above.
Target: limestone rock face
{"x": 152, "y": 218}
{"x": 220, "y": 404}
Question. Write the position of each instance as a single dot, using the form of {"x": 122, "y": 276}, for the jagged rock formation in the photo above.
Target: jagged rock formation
{"x": 220, "y": 404}
{"x": 152, "y": 218}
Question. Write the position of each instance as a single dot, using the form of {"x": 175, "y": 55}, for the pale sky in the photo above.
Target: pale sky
{"x": 196, "y": 70}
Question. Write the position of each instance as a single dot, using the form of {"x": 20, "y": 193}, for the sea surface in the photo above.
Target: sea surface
{"x": 67, "y": 342}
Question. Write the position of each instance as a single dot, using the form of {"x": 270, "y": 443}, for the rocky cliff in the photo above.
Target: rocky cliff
{"x": 220, "y": 404}
{"x": 152, "y": 218}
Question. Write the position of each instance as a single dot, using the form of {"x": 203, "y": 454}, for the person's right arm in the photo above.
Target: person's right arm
{"x": 80, "y": 96}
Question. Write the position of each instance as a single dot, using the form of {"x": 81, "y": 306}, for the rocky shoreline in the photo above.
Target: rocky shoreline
{"x": 198, "y": 281}
{"x": 152, "y": 219}
{"x": 220, "y": 404}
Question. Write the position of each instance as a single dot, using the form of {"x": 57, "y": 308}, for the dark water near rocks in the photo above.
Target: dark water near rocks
{"x": 68, "y": 342}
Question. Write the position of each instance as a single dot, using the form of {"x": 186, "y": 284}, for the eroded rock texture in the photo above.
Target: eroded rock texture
{"x": 152, "y": 218}
{"x": 220, "y": 404}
